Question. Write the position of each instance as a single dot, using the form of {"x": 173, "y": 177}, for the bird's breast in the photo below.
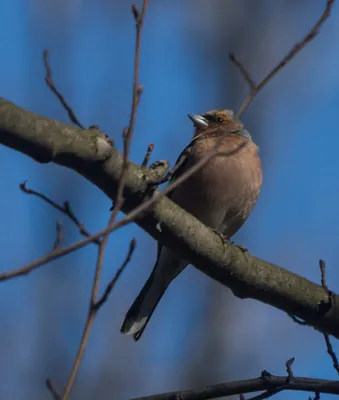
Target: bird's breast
{"x": 226, "y": 184}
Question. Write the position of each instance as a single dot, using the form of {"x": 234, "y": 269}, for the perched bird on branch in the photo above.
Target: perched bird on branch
{"x": 221, "y": 195}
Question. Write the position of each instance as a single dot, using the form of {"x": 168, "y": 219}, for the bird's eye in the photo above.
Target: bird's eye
{"x": 220, "y": 120}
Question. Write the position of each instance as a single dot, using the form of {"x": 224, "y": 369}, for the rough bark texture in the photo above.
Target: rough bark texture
{"x": 89, "y": 153}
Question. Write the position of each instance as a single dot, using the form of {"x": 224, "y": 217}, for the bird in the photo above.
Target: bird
{"x": 221, "y": 194}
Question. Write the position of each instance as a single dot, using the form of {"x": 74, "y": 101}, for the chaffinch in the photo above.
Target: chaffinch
{"x": 221, "y": 195}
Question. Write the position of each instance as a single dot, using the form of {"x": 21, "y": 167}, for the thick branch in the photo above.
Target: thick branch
{"x": 89, "y": 153}
{"x": 248, "y": 386}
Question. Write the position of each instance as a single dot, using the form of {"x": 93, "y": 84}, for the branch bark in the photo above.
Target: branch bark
{"x": 269, "y": 383}
{"x": 90, "y": 154}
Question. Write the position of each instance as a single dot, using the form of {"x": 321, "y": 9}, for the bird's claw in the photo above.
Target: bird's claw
{"x": 225, "y": 239}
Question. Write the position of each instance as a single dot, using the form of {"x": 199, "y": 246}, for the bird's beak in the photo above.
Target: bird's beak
{"x": 198, "y": 120}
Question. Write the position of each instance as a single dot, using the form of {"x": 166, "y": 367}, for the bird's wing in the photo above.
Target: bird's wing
{"x": 180, "y": 165}
{"x": 178, "y": 169}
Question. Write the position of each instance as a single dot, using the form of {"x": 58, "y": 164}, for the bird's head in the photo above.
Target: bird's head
{"x": 217, "y": 120}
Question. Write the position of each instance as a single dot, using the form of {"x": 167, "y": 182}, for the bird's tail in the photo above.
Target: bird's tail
{"x": 142, "y": 309}
{"x": 167, "y": 267}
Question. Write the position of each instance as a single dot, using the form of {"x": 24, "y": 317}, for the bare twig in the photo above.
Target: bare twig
{"x": 51, "y": 85}
{"x": 137, "y": 88}
{"x": 64, "y": 209}
{"x": 69, "y": 212}
{"x": 322, "y": 267}
{"x": 271, "y": 391}
{"x": 92, "y": 312}
{"x": 127, "y": 136}
{"x": 329, "y": 347}
{"x": 136, "y": 12}
{"x": 137, "y": 91}
{"x": 150, "y": 149}
{"x": 289, "y": 369}
{"x": 59, "y": 236}
{"x": 289, "y": 56}
{"x": 51, "y": 388}
{"x": 243, "y": 71}
{"x": 112, "y": 283}
{"x": 331, "y": 352}
{"x": 265, "y": 395}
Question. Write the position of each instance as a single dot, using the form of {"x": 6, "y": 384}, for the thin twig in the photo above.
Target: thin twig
{"x": 150, "y": 149}
{"x": 331, "y": 352}
{"x": 137, "y": 91}
{"x": 112, "y": 283}
{"x": 289, "y": 370}
{"x": 52, "y": 86}
{"x": 289, "y": 56}
{"x": 127, "y": 136}
{"x": 51, "y": 388}
{"x": 69, "y": 212}
{"x": 322, "y": 267}
{"x": 59, "y": 236}
{"x": 92, "y": 312}
{"x": 243, "y": 71}
{"x": 274, "y": 390}
{"x": 265, "y": 395}
{"x": 64, "y": 209}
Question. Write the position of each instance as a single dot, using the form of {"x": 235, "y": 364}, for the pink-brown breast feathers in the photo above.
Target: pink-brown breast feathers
{"x": 223, "y": 193}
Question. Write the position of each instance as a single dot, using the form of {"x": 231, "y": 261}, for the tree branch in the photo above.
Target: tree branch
{"x": 89, "y": 153}
{"x": 269, "y": 383}
{"x": 64, "y": 209}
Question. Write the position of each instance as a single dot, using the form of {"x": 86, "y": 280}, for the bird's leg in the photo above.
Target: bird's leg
{"x": 225, "y": 238}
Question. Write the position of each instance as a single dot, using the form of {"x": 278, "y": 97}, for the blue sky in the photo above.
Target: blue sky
{"x": 294, "y": 121}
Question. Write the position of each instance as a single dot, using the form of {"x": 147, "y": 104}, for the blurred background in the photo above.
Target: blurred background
{"x": 203, "y": 335}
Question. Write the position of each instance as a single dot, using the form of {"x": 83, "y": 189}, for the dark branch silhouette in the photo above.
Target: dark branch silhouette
{"x": 255, "y": 88}
{"x": 50, "y": 83}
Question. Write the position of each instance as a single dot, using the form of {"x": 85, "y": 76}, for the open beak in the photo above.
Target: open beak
{"x": 198, "y": 120}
